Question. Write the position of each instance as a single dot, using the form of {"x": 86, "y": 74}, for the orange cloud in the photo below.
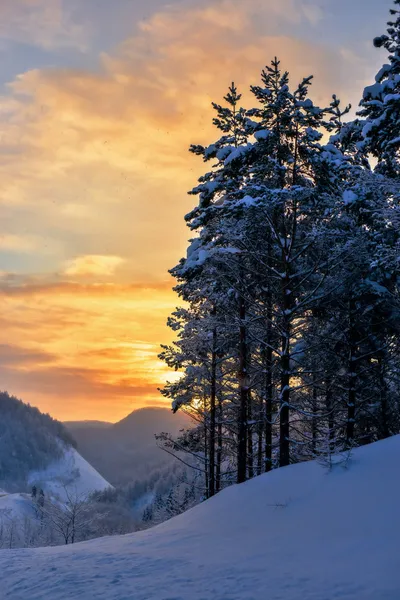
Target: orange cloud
{"x": 93, "y": 266}
{"x": 91, "y": 353}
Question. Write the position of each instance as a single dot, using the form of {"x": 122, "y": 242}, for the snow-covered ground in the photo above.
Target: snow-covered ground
{"x": 299, "y": 533}
{"x": 72, "y": 471}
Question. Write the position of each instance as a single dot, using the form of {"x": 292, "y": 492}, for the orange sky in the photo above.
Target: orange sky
{"x": 98, "y": 106}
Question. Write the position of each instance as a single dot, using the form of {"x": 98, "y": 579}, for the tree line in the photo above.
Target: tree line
{"x": 287, "y": 336}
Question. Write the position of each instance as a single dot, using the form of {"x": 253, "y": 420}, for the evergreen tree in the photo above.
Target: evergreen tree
{"x": 380, "y": 105}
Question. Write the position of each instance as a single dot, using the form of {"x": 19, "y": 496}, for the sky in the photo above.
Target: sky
{"x": 99, "y": 102}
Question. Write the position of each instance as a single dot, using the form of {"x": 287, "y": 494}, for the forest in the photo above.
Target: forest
{"x": 287, "y": 336}
{"x": 29, "y": 440}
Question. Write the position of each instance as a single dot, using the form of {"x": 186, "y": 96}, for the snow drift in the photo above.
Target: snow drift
{"x": 298, "y": 533}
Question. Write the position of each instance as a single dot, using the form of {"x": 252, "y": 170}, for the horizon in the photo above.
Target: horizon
{"x": 100, "y": 117}
{"x": 142, "y": 408}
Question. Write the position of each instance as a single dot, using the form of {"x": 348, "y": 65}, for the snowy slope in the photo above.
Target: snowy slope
{"x": 299, "y": 533}
{"x": 72, "y": 471}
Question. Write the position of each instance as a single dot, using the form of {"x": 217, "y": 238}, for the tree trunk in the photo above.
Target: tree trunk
{"x": 284, "y": 429}
{"x": 268, "y": 408}
{"x": 207, "y": 490}
{"x": 260, "y": 420}
{"x": 331, "y": 415}
{"x": 219, "y": 445}
{"x": 314, "y": 414}
{"x": 268, "y": 372}
{"x": 211, "y": 477}
{"x": 250, "y": 462}
{"x": 243, "y": 392}
{"x": 352, "y": 378}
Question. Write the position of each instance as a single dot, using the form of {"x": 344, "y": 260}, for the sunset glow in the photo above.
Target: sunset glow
{"x": 99, "y": 102}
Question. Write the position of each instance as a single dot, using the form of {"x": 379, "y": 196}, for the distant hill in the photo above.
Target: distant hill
{"x": 87, "y": 424}
{"x": 37, "y": 449}
{"x": 127, "y": 451}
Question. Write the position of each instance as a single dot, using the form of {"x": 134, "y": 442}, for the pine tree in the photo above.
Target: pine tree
{"x": 380, "y": 105}
{"x": 291, "y": 183}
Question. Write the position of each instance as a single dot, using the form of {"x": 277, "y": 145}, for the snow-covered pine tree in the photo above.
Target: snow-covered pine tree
{"x": 368, "y": 297}
{"x": 292, "y": 181}
{"x": 380, "y": 105}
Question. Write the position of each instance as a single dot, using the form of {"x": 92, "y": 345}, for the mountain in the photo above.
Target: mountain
{"x": 126, "y": 451}
{"x": 35, "y": 449}
{"x": 298, "y": 533}
{"x": 87, "y": 424}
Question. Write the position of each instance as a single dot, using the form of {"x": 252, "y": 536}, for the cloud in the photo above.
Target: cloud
{"x": 25, "y": 244}
{"x": 93, "y": 266}
{"x": 17, "y": 243}
{"x": 19, "y": 357}
{"x": 30, "y": 286}
{"x": 101, "y": 157}
{"x": 44, "y": 23}
{"x": 313, "y": 12}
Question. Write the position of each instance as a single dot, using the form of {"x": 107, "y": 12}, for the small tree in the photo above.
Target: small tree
{"x": 70, "y": 518}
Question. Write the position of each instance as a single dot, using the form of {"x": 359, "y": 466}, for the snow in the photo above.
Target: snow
{"x": 248, "y": 201}
{"x": 237, "y": 153}
{"x": 196, "y": 255}
{"x": 391, "y": 98}
{"x": 224, "y": 152}
{"x": 394, "y": 142}
{"x": 298, "y": 533}
{"x": 72, "y": 471}
{"x": 305, "y": 103}
{"x": 349, "y": 197}
{"x": 17, "y": 505}
{"x": 209, "y": 151}
{"x": 262, "y": 134}
{"x": 313, "y": 134}
{"x": 383, "y": 73}
{"x": 373, "y": 91}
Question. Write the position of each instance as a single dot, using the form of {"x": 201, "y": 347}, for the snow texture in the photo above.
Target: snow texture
{"x": 298, "y": 533}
